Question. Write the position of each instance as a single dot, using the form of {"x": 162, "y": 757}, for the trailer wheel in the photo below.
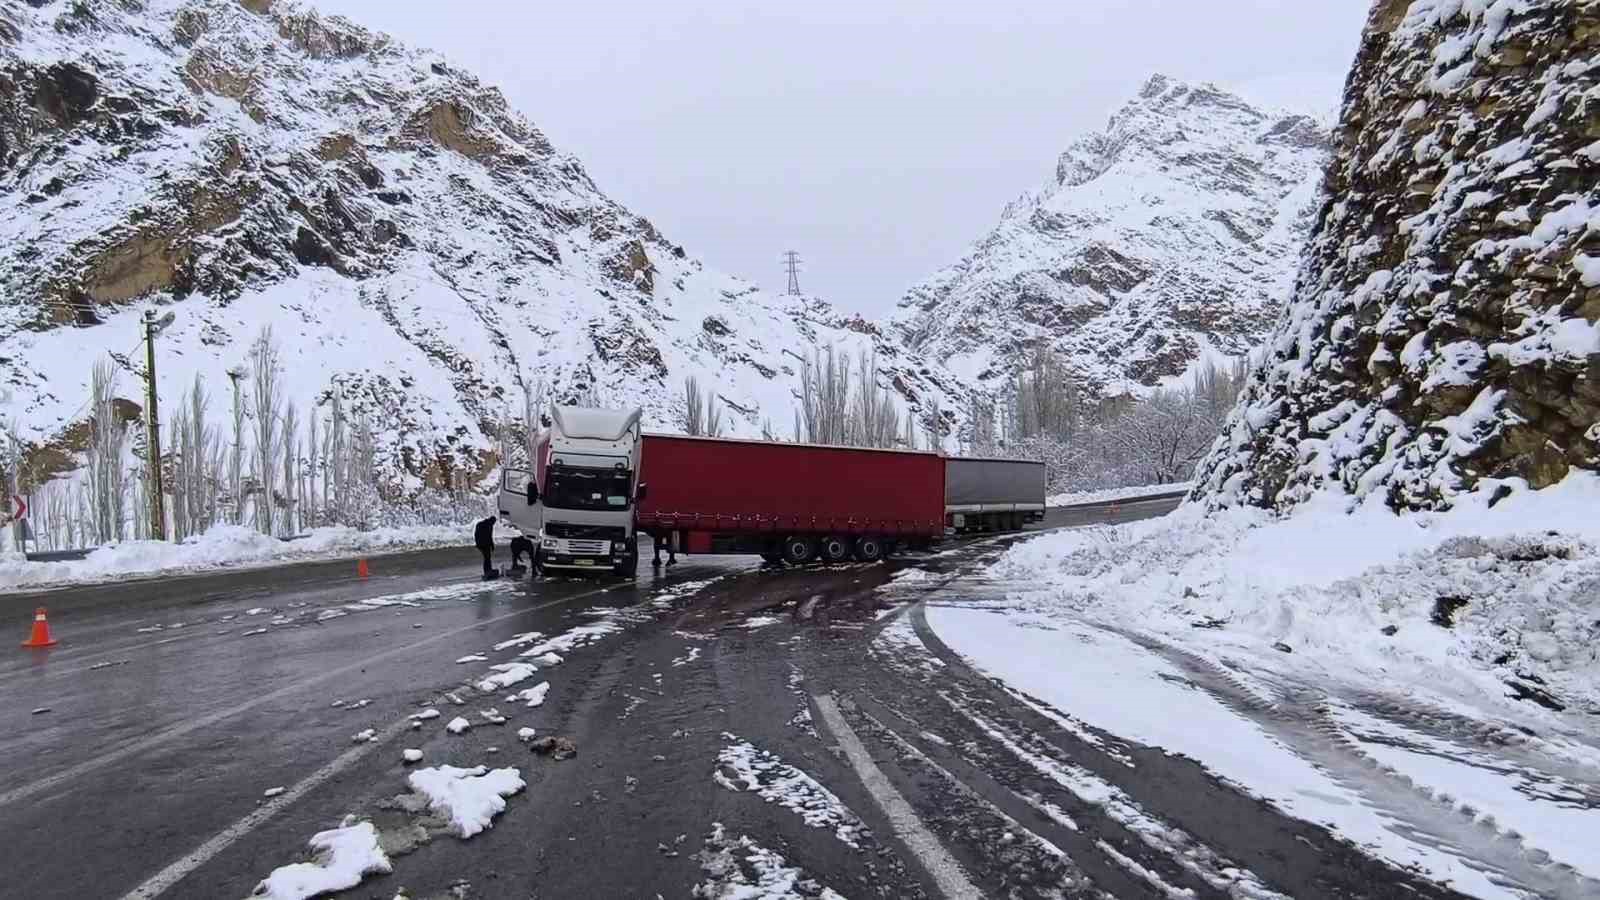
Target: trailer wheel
{"x": 799, "y": 549}
{"x": 869, "y": 549}
{"x": 772, "y": 556}
{"x": 835, "y": 549}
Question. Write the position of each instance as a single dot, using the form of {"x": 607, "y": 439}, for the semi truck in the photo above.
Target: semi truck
{"x": 598, "y": 482}
{"x": 577, "y": 504}
{"x": 789, "y": 502}
{"x": 993, "y": 494}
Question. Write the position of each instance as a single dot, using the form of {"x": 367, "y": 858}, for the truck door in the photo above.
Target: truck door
{"x": 517, "y": 506}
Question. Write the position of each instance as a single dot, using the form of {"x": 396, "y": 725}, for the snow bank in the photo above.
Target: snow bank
{"x": 343, "y": 857}
{"x": 223, "y": 545}
{"x": 1122, "y": 493}
{"x": 471, "y": 798}
{"x": 1362, "y": 588}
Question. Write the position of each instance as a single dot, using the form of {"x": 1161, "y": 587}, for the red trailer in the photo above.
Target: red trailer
{"x": 790, "y": 502}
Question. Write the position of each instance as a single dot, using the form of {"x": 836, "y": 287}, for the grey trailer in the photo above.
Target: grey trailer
{"x": 992, "y": 494}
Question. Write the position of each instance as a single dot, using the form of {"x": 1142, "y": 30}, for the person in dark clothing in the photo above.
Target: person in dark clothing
{"x": 664, "y": 542}
{"x": 483, "y": 536}
{"x": 519, "y": 546}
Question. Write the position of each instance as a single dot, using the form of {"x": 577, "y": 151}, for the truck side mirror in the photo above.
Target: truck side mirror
{"x": 641, "y": 493}
{"x": 533, "y": 492}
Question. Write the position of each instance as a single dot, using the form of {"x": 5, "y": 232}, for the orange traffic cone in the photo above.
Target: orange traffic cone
{"x": 41, "y": 631}
{"x": 361, "y": 569}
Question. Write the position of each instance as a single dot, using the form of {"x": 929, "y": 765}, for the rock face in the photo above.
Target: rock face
{"x": 416, "y": 245}
{"x": 1442, "y": 332}
{"x": 1171, "y": 234}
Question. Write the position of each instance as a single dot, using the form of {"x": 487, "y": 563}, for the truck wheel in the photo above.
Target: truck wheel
{"x": 798, "y": 550}
{"x": 772, "y": 556}
{"x": 869, "y": 549}
{"x": 835, "y": 549}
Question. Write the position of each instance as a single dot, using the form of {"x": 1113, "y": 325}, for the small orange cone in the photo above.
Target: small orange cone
{"x": 41, "y": 631}
{"x": 361, "y": 569}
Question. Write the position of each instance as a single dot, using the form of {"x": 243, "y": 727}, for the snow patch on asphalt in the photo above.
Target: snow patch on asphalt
{"x": 755, "y": 622}
{"x": 343, "y": 856}
{"x": 744, "y": 768}
{"x": 505, "y": 675}
{"x": 744, "y": 870}
{"x": 533, "y": 696}
{"x": 470, "y": 798}
{"x": 457, "y": 725}
{"x": 578, "y": 636}
{"x": 689, "y": 657}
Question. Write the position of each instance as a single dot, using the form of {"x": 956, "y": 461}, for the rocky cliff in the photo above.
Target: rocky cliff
{"x": 416, "y": 245}
{"x": 1441, "y": 336}
{"x": 1170, "y": 235}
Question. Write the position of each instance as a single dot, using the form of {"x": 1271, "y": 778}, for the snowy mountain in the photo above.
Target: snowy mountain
{"x": 1170, "y": 236}
{"x": 416, "y": 245}
{"x": 1442, "y": 335}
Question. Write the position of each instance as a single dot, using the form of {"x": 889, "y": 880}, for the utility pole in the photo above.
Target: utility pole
{"x": 791, "y": 262}
{"x": 154, "y": 325}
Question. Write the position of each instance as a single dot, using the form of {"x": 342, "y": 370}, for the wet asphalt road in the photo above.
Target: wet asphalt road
{"x": 174, "y": 705}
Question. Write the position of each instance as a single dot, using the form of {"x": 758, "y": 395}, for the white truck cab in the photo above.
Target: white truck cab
{"x": 577, "y": 503}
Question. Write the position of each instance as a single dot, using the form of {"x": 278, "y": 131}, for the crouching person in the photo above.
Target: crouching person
{"x": 521, "y": 545}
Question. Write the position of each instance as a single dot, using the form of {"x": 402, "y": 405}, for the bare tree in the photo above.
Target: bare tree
{"x": 935, "y": 426}
{"x": 825, "y": 399}
{"x": 108, "y": 444}
{"x": 702, "y": 417}
{"x": 264, "y": 370}
{"x": 237, "y": 376}
{"x": 874, "y": 420}
{"x": 291, "y": 456}
{"x": 338, "y": 448}
{"x": 533, "y": 403}
{"x": 310, "y": 517}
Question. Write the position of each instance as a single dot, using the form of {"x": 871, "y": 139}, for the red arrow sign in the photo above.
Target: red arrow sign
{"x": 22, "y": 509}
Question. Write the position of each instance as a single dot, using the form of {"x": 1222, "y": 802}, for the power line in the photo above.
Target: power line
{"x": 791, "y": 262}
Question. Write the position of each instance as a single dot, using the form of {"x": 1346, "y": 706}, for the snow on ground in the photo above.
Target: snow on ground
{"x": 1325, "y": 616}
{"x": 755, "y": 622}
{"x": 230, "y": 546}
{"x": 1122, "y": 493}
{"x": 743, "y": 767}
{"x": 471, "y": 798}
{"x": 344, "y": 856}
{"x": 744, "y": 870}
{"x": 1329, "y": 584}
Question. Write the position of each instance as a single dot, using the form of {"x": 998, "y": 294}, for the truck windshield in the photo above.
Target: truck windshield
{"x": 570, "y": 487}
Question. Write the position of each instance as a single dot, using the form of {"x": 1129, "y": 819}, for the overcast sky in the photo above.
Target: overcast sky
{"x": 878, "y": 138}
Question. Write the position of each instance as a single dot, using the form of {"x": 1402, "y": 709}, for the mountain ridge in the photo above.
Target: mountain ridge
{"x": 418, "y": 246}
{"x": 1126, "y": 259}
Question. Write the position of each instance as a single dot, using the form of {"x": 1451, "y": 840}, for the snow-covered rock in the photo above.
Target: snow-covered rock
{"x": 1169, "y": 236}
{"x": 1441, "y": 337}
{"x": 417, "y": 246}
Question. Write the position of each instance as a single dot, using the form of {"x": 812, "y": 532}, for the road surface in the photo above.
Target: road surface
{"x": 733, "y": 725}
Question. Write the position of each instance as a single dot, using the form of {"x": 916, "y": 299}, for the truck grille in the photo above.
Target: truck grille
{"x": 584, "y": 548}
{"x": 606, "y": 533}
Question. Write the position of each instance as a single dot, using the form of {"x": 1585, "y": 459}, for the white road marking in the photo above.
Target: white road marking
{"x": 176, "y": 731}
{"x": 171, "y": 875}
{"x": 948, "y": 875}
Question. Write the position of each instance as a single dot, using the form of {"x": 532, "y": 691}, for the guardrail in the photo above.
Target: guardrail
{"x": 1122, "y": 501}
{"x": 75, "y": 555}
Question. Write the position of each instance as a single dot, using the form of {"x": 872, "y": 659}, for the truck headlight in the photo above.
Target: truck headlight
{"x": 550, "y": 542}
{"x": 619, "y": 546}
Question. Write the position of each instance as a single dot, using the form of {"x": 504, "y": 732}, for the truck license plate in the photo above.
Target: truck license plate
{"x": 584, "y": 562}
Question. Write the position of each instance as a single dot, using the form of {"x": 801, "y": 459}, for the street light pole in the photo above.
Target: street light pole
{"x": 158, "y": 513}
